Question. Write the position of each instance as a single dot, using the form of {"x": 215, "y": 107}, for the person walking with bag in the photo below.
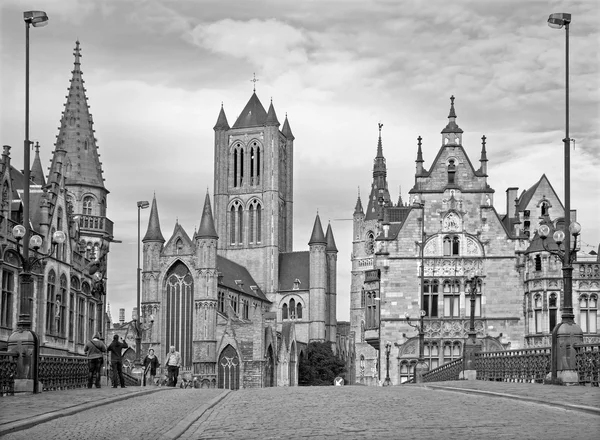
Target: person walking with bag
{"x": 116, "y": 360}
{"x": 95, "y": 350}
{"x": 151, "y": 363}
{"x": 173, "y": 363}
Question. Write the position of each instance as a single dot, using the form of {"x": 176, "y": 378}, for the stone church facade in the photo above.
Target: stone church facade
{"x": 234, "y": 298}
{"x": 418, "y": 258}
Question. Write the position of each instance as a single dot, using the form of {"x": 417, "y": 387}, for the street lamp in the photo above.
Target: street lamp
{"x": 421, "y": 367}
{"x": 472, "y": 345}
{"x": 388, "y": 347}
{"x": 24, "y": 338}
{"x": 567, "y": 333}
{"x": 143, "y": 204}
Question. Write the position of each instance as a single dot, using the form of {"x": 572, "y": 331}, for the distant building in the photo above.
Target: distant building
{"x": 418, "y": 256}
{"x": 68, "y": 301}
{"x": 234, "y": 298}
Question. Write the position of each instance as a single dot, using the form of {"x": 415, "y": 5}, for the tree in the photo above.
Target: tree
{"x": 319, "y": 366}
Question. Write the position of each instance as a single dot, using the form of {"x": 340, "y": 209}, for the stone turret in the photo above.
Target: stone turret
{"x": 318, "y": 282}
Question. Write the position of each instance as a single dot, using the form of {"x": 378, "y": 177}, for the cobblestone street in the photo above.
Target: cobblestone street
{"x": 441, "y": 411}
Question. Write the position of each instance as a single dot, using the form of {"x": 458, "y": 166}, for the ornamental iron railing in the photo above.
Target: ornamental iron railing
{"x": 59, "y": 372}
{"x": 8, "y": 372}
{"x": 449, "y": 371}
{"x": 588, "y": 363}
{"x": 525, "y": 365}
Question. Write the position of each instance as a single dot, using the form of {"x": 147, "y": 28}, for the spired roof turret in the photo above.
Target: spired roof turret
{"x": 253, "y": 115}
{"x": 207, "y": 225}
{"x": 271, "y": 116}
{"x": 379, "y": 188}
{"x": 286, "y": 130}
{"x": 37, "y": 172}
{"x": 222, "y": 123}
{"x": 452, "y": 127}
{"x": 153, "y": 233}
{"x": 331, "y": 247}
{"x": 76, "y": 135}
{"x": 317, "y": 236}
{"x": 358, "y": 209}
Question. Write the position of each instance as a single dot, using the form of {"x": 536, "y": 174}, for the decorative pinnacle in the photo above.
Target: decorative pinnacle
{"x": 254, "y": 80}
{"x": 483, "y": 138}
{"x": 419, "y": 139}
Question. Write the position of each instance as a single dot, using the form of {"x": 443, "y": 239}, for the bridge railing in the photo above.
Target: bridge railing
{"x": 588, "y": 363}
{"x": 58, "y": 372}
{"x": 449, "y": 371}
{"x": 8, "y": 372}
{"x": 524, "y": 365}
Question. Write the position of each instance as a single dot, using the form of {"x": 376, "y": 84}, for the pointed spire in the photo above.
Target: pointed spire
{"x": 76, "y": 135}
{"x": 37, "y": 172}
{"x": 379, "y": 146}
{"x": 271, "y": 116}
{"x": 483, "y": 151}
{"x": 331, "y": 247}
{"x": 253, "y": 115}
{"x": 452, "y": 112}
{"x": 400, "y": 202}
{"x": 222, "y": 123}
{"x": 379, "y": 189}
{"x": 419, "y": 151}
{"x": 207, "y": 225}
{"x": 317, "y": 236}
{"x": 153, "y": 233}
{"x": 452, "y": 127}
{"x": 358, "y": 209}
{"x": 286, "y": 130}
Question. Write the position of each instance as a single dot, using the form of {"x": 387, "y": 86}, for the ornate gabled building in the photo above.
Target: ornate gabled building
{"x": 68, "y": 302}
{"x": 235, "y": 299}
{"x": 425, "y": 253}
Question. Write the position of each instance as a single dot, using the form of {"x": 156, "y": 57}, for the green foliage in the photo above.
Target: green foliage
{"x": 319, "y": 366}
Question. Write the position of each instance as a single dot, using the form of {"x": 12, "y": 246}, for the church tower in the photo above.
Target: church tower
{"x": 254, "y": 191}
{"x": 81, "y": 168}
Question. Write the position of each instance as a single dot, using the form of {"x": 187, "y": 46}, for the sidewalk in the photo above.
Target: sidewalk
{"x": 576, "y": 398}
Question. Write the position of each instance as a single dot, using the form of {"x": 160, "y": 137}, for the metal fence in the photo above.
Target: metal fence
{"x": 8, "y": 371}
{"x": 588, "y": 363}
{"x": 449, "y": 371}
{"x": 525, "y": 365}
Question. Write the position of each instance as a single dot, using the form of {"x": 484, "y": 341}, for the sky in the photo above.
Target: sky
{"x": 157, "y": 72}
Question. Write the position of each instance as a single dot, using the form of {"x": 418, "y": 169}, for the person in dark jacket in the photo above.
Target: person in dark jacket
{"x": 150, "y": 363}
{"x": 116, "y": 360}
{"x": 95, "y": 350}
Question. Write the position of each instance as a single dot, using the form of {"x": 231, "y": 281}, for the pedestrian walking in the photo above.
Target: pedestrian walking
{"x": 151, "y": 363}
{"x": 95, "y": 350}
{"x": 116, "y": 360}
{"x": 173, "y": 363}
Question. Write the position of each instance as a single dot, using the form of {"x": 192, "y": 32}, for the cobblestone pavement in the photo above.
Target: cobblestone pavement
{"x": 144, "y": 416}
{"x": 412, "y": 412}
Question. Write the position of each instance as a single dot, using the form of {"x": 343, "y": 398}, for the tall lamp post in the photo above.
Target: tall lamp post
{"x": 567, "y": 332}
{"x": 143, "y": 204}
{"x": 472, "y": 345}
{"x": 421, "y": 366}
{"x": 388, "y": 348}
{"x": 24, "y": 337}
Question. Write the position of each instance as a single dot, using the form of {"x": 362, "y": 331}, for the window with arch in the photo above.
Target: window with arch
{"x": 451, "y": 292}
{"x": 255, "y": 164}
{"x": 245, "y": 308}
{"x": 88, "y": 203}
{"x": 80, "y": 320}
{"x": 430, "y": 297}
{"x": 361, "y": 365}
{"x": 299, "y": 311}
{"x": 233, "y": 303}
{"x": 178, "y": 309}
{"x": 51, "y": 302}
{"x": 407, "y": 368}
{"x": 370, "y": 242}
{"x": 552, "y": 311}
{"x": 61, "y": 306}
{"x": 451, "y": 245}
{"x": 71, "y": 316}
{"x": 221, "y": 302}
{"x": 284, "y": 311}
{"x": 255, "y": 222}
{"x": 431, "y": 353}
{"x": 363, "y": 298}
{"x": 545, "y": 208}
{"x": 91, "y": 319}
{"x": 451, "y": 171}
{"x": 236, "y": 223}
{"x": 451, "y": 351}
{"x": 372, "y": 312}
{"x": 238, "y": 165}
{"x": 8, "y": 296}
{"x": 179, "y": 246}
{"x": 588, "y": 310}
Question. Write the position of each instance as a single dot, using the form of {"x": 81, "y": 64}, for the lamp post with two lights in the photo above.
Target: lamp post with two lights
{"x": 472, "y": 345}
{"x": 421, "y": 367}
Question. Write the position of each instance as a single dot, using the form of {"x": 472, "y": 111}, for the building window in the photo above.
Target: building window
{"x": 221, "y": 303}
{"x": 233, "y": 303}
{"x": 81, "y": 321}
{"x": 407, "y": 368}
{"x": 451, "y": 298}
{"x": 245, "y": 309}
{"x": 236, "y": 223}
{"x": 255, "y": 164}
{"x": 451, "y": 351}
{"x": 299, "y": 311}
{"x": 545, "y": 207}
{"x": 292, "y": 309}
{"x": 431, "y": 352}
{"x": 552, "y": 311}
{"x": 88, "y": 202}
{"x": 51, "y": 302}
{"x": 238, "y": 166}
{"x": 430, "y": 298}
{"x": 538, "y": 263}
{"x": 588, "y": 309}
{"x": 451, "y": 245}
{"x": 370, "y": 243}
{"x": 255, "y": 222}
{"x": 71, "y": 316}
{"x": 91, "y": 319}
{"x": 284, "y": 312}
{"x": 61, "y": 307}
{"x": 478, "y": 293}
{"x": 179, "y": 246}
{"x": 451, "y": 171}
{"x": 8, "y": 295}
{"x": 363, "y": 298}
{"x": 537, "y": 313}
{"x": 371, "y": 315}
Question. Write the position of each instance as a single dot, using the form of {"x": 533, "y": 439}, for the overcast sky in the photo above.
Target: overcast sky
{"x": 156, "y": 73}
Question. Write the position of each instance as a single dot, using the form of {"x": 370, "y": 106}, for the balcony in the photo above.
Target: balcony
{"x": 96, "y": 224}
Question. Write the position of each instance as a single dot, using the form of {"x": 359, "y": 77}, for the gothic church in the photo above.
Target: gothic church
{"x": 234, "y": 298}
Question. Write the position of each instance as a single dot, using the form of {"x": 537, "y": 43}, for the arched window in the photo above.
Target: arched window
{"x": 80, "y": 320}
{"x": 284, "y": 311}
{"x": 432, "y": 354}
{"x": 238, "y": 165}
{"x": 257, "y": 177}
{"x": 241, "y": 169}
{"x": 236, "y": 225}
{"x": 258, "y": 223}
{"x": 537, "y": 313}
{"x": 552, "y": 311}
{"x": 51, "y": 303}
{"x": 370, "y": 242}
{"x": 178, "y": 246}
{"x": 221, "y": 303}
{"x": 61, "y": 306}
{"x": 451, "y": 298}
{"x": 299, "y": 311}
{"x": 455, "y": 245}
{"x": 88, "y": 202}
{"x": 292, "y": 309}
{"x": 451, "y": 351}
{"x": 235, "y": 167}
{"x": 588, "y": 309}
{"x": 179, "y": 294}
{"x": 8, "y": 297}
{"x": 406, "y": 370}
{"x": 254, "y": 222}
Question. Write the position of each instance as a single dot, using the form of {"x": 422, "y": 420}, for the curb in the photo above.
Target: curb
{"x": 42, "y": 418}
{"x": 581, "y": 408}
{"x": 187, "y": 421}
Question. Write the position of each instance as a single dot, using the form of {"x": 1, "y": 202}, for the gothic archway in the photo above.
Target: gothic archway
{"x": 179, "y": 293}
{"x": 270, "y": 368}
{"x": 229, "y": 369}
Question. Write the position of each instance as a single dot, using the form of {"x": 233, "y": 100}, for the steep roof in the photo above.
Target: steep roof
{"x": 317, "y": 236}
{"x": 233, "y": 272}
{"x": 358, "y": 209}
{"x": 331, "y": 247}
{"x": 452, "y": 127}
{"x": 272, "y": 116}
{"x": 253, "y": 115}
{"x": 222, "y": 123}
{"x": 37, "y": 172}
{"x": 207, "y": 225}
{"x": 286, "y": 130}
{"x": 153, "y": 233}
{"x": 294, "y": 266}
{"x": 76, "y": 135}
{"x": 379, "y": 186}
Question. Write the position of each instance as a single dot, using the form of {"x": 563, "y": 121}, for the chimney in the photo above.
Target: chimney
{"x": 511, "y": 196}
{"x": 121, "y": 316}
